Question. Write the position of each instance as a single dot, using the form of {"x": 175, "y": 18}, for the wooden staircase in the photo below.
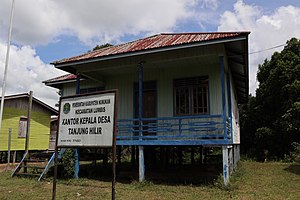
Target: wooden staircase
{"x": 31, "y": 165}
{"x": 36, "y": 165}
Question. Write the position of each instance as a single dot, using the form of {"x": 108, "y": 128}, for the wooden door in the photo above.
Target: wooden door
{"x": 149, "y": 104}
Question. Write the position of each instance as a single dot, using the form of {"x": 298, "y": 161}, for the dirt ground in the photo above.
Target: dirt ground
{"x": 5, "y": 167}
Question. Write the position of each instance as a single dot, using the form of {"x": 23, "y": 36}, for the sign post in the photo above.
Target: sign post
{"x": 87, "y": 120}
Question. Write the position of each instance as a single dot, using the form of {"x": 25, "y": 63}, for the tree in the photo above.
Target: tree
{"x": 273, "y": 115}
{"x": 102, "y": 46}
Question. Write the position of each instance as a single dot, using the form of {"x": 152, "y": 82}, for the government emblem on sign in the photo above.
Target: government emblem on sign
{"x": 66, "y": 108}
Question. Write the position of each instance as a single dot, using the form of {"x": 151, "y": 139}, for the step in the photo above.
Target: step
{"x": 34, "y": 160}
{"x": 26, "y": 174}
{"x": 33, "y": 167}
{"x": 42, "y": 155}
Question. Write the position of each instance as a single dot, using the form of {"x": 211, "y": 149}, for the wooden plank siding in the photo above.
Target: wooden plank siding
{"x": 39, "y": 129}
{"x": 163, "y": 67}
{"x": 164, "y": 76}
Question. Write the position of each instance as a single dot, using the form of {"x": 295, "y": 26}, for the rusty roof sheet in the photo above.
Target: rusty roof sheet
{"x": 61, "y": 78}
{"x": 153, "y": 42}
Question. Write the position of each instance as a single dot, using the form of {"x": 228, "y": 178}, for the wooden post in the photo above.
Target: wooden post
{"x": 180, "y": 156}
{"x": 55, "y": 167}
{"x": 28, "y": 121}
{"x": 28, "y": 128}
{"x": 172, "y": 156}
{"x": 8, "y": 147}
{"x": 14, "y": 157}
{"x": 55, "y": 159}
{"x": 95, "y": 157}
{"x": 113, "y": 193}
{"x": 133, "y": 152}
{"x": 163, "y": 157}
{"x": 119, "y": 148}
{"x": 105, "y": 158}
{"x": 192, "y": 155}
{"x": 167, "y": 155}
{"x": 201, "y": 154}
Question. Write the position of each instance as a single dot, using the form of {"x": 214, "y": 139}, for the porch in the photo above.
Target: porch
{"x": 180, "y": 130}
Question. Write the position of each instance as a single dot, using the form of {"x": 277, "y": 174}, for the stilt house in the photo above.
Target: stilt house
{"x": 179, "y": 89}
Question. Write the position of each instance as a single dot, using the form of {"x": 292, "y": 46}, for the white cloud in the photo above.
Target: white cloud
{"x": 267, "y": 30}
{"x": 92, "y": 21}
{"x": 26, "y": 72}
{"x": 213, "y": 4}
{"x": 39, "y": 22}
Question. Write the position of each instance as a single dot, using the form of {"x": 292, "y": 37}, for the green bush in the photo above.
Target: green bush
{"x": 294, "y": 155}
{"x": 68, "y": 163}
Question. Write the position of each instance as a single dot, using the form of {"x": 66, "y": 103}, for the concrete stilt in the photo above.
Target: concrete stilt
{"x": 225, "y": 164}
{"x": 141, "y": 164}
{"x": 14, "y": 157}
{"x": 236, "y": 154}
{"x": 230, "y": 159}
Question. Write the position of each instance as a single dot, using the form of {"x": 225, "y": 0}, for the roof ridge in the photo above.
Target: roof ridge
{"x": 208, "y": 32}
{"x": 129, "y": 42}
{"x": 22, "y": 95}
{"x": 154, "y": 42}
{"x": 58, "y": 77}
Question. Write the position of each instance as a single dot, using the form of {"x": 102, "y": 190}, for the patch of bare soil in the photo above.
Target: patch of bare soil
{"x": 5, "y": 167}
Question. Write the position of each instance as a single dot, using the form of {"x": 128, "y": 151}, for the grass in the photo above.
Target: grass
{"x": 252, "y": 180}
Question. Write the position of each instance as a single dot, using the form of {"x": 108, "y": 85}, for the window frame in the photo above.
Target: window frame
{"x": 200, "y": 82}
{"x": 22, "y": 127}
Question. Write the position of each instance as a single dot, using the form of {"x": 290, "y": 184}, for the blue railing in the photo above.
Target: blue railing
{"x": 169, "y": 130}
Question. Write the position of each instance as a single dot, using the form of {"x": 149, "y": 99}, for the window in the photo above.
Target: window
{"x": 191, "y": 96}
{"x": 22, "y": 127}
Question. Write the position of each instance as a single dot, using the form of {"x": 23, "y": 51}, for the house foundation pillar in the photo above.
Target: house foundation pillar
{"x": 225, "y": 164}
{"x": 141, "y": 148}
{"x": 236, "y": 155}
{"x": 14, "y": 157}
{"x": 141, "y": 164}
{"x": 228, "y": 162}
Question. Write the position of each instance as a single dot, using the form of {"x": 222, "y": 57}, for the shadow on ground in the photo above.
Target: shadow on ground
{"x": 294, "y": 168}
{"x": 173, "y": 175}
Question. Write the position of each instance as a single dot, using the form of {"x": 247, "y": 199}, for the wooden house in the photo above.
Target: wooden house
{"x": 178, "y": 89}
{"x": 15, "y": 117}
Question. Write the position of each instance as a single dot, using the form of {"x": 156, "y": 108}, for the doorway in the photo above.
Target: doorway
{"x": 149, "y": 99}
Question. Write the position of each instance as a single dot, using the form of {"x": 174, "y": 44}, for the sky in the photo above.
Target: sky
{"x": 48, "y": 30}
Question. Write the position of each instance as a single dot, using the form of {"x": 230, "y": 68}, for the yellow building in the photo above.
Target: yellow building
{"x": 15, "y": 117}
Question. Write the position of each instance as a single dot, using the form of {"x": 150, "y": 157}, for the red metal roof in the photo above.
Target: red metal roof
{"x": 153, "y": 42}
{"x": 61, "y": 78}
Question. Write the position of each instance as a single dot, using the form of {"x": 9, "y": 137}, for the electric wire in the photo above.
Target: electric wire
{"x": 275, "y": 47}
